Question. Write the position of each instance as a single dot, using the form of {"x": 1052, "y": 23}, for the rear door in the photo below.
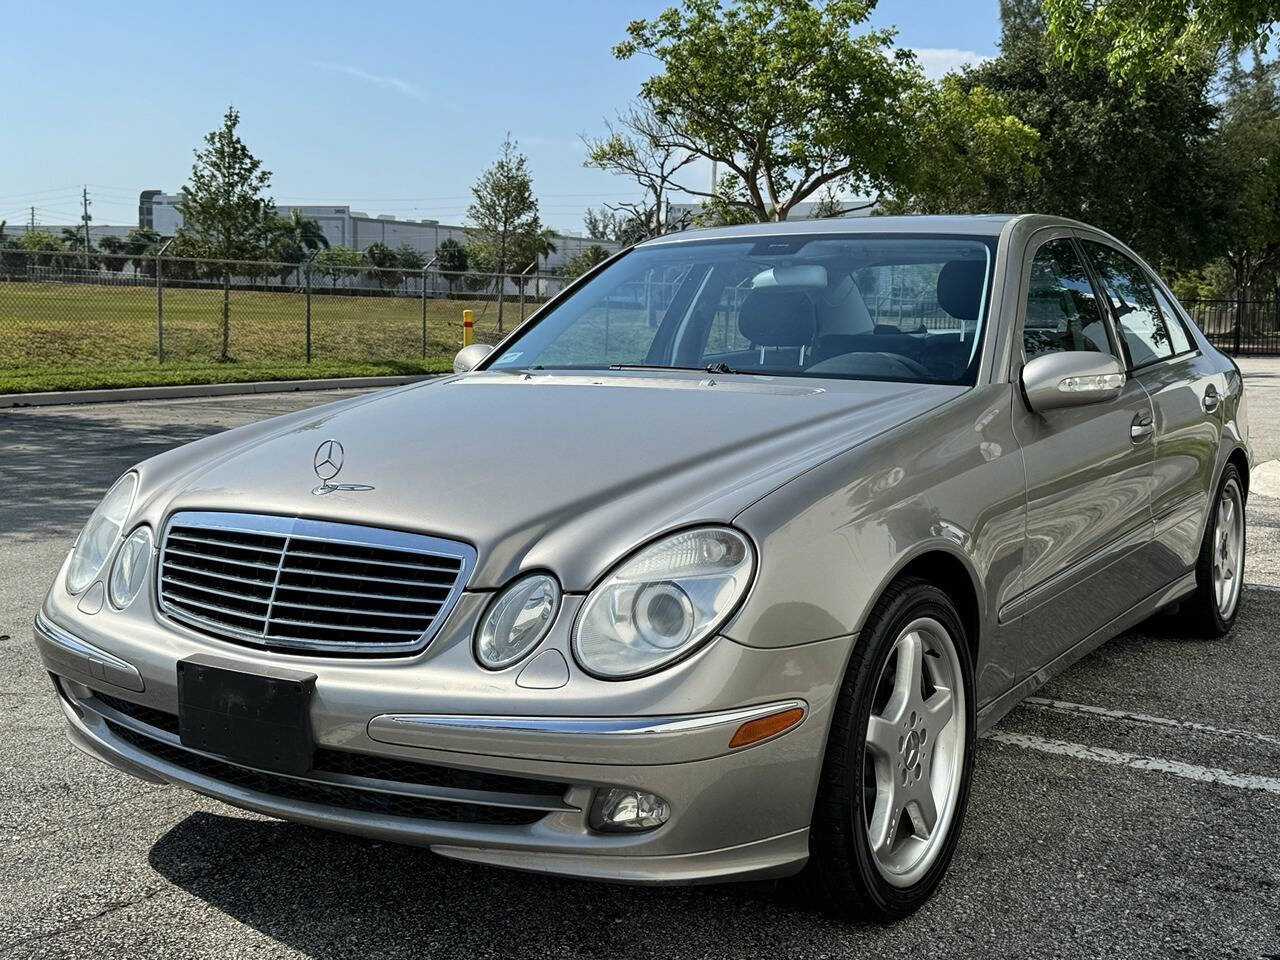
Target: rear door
{"x": 1162, "y": 356}
{"x": 1089, "y": 470}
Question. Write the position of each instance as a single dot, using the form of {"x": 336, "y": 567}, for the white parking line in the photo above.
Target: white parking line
{"x": 1102, "y": 713}
{"x": 1116, "y": 758}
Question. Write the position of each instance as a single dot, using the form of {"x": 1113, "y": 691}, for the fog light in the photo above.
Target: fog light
{"x": 619, "y": 810}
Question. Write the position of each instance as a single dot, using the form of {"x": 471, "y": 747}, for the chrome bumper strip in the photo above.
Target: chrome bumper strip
{"x": 629, "y": 740}
{"x": 85, "y": 657}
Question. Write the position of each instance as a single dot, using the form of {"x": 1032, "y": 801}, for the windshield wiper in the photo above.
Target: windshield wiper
{"x": 710, "y": 368}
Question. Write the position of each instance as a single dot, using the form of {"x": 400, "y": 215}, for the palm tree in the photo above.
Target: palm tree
{"x": 546, "y": 245}
{"x": 295, "y": 239}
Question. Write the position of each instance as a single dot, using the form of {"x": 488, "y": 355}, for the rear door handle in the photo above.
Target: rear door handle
{"x": 1141, "y": 428}
{"x": 1211, "y": 399}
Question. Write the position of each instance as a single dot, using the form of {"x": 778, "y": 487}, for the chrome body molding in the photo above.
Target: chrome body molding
{"x": 639, "y": 740}
{"x": 85, "y": 657}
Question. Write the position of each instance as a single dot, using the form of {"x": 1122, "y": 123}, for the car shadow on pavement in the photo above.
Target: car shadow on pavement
{"x": 55, "y": 467}
{"x": 328, "y": 895}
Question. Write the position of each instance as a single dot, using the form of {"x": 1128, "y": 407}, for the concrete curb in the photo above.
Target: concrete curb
{"x": 116, "y": 395}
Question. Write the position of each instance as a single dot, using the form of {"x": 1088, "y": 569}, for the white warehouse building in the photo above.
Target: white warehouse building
{"x": 343, "y": 226}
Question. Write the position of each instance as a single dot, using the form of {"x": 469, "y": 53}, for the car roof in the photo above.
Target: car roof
{"x": 969, "y": 225}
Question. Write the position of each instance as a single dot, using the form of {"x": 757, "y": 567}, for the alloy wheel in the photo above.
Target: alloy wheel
{"x": 1228, "y": 549}
{"x": 913, "y": 760}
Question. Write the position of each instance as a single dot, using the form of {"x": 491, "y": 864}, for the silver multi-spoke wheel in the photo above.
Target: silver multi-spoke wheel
{"x": 1228, "y": 549}
{"x": 914, "y": 753}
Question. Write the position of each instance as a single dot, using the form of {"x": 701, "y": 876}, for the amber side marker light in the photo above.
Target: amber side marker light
{"x": 753, "y": 731}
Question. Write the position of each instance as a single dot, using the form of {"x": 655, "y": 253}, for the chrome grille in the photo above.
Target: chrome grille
{"x": 309, "y": 586}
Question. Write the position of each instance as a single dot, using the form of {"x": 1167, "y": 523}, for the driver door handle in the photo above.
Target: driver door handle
{"x": 1142, "y": 427}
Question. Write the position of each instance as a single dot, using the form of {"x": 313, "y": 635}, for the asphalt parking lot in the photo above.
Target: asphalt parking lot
{"x": 1132, "y": 809}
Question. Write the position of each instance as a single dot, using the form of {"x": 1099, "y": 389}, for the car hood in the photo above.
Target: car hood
{"x": 560, "y": 471}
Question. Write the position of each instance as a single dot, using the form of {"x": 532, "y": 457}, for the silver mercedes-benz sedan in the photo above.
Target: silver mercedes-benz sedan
{"x": 714, "y": 568}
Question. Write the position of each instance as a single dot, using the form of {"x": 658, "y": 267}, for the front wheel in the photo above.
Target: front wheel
{"x": 895, "y": 778}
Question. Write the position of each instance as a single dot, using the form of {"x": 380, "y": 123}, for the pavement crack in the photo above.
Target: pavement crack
{"x": 82, "y": 922}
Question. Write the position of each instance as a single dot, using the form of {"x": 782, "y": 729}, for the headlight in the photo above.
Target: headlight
{"x": 129, "y": 571}
{"x": 93, "y": 546}
{"x": 663, "y": 602}
{"x": 517, "y": 620}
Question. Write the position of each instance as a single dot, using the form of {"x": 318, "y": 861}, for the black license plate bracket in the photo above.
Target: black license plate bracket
{"x": 256, "y": 716}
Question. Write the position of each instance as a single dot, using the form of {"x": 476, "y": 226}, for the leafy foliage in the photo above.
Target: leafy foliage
{"x": 589, "y": 257}
{"x": 337, "y": 263}
{"x": 504, "y": 215}
{"x": 965, "y": 148}
{"x": 1249, "y": 157}
{"x": 1145, "y": 37}
{"x": 225, "y": 214}
{"x": 452, "y": 260}
{"x": 782, "y": 93}
{"x": 1140, "y": 165}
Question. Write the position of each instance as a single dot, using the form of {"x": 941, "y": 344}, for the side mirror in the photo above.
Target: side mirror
{"x": 468, "y": 357}
{"x": 1071, "y": 379}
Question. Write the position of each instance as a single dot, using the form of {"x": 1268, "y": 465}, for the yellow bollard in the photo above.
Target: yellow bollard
{"x": 468, "y": 328}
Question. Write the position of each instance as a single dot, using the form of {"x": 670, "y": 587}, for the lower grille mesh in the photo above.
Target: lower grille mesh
{"x": 309, "y": 791}
{"x": 386, "y": 769}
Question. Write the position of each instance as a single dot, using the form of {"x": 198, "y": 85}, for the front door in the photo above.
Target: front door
{"x": 1089, "y": 474}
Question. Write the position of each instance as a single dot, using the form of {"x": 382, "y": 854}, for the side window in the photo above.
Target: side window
{"x": 1134, "y": 305}
{"x": 1178, "y": 335}
{"x": 1062, "y": 312}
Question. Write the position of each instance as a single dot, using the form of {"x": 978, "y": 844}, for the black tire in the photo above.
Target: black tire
{"x": 841, "y": 875}
{"x": 1200, "y": 613}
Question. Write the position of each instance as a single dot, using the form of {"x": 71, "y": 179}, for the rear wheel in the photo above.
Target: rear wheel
{"x": 1212, "y": 609}
{"x": 895, "y": 779}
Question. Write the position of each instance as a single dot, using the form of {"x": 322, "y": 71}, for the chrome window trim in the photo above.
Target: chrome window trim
{"x": 325, "y": 531}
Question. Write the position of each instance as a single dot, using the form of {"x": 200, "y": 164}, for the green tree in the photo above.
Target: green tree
{"x": 965, "y": 148}
{"x": 226, "y": 214}
{"x": 1141, "y": 167}
{"x": 45, "y": 244}
{"x": 1249, "y": 156}
{"x": 382, "y": 265}
{"x": 337, "y": 263}
{"x": 451, "y": 259}
{"x": 503, "y": 213}
{"x": 589, "y": 257}
{"x": 726, "y": 206}
{"x": 115, "y": 252}
{"x": 294, "y": 240}
{"x": 744, "y": 85}
{"x": 409, "y": 258}
{"x": 1144, "y": 37}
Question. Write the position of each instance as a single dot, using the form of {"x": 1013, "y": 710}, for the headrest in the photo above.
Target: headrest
{"x": 960, "y": 288}
{"x": 778, "y": 318}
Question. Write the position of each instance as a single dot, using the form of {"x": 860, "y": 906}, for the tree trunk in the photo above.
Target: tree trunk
{"x": 502, "y": 266}
{"x": 226, "y": 317}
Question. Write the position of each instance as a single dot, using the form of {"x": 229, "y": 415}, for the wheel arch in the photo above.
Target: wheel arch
{"x": 1240, "y": 460}
{"x": 950, "y": 571}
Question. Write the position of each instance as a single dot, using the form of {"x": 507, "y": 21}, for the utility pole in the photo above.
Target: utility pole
{"x": 84, "y": 200}
{"x": 33, "y": 219}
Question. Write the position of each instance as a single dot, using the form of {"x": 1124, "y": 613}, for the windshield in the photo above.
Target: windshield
{"x": 865, "y": 307}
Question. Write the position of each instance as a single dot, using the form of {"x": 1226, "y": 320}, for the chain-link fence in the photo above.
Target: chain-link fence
{"x": 69, "y": 310}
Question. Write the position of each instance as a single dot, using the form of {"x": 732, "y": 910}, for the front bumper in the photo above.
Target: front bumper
{"x": 739, "y": 814}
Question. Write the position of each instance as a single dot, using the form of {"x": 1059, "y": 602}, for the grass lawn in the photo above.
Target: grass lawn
{"x": 56, "y": 336}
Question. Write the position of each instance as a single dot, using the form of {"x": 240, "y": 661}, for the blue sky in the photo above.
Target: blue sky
{"x": 391, "y": 107}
